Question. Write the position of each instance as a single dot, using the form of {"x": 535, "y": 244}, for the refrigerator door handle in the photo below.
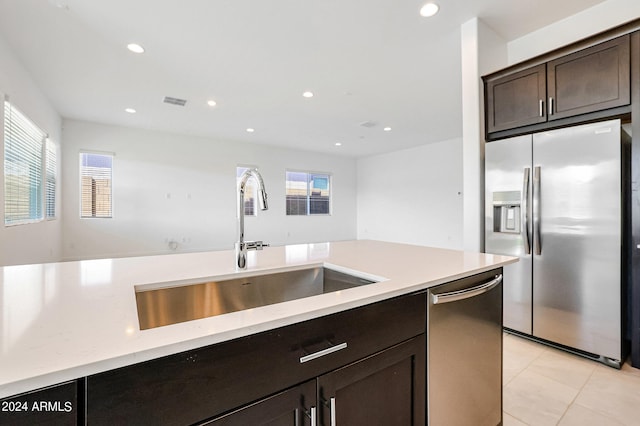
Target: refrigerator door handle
{"x": 537, "y": 210}
{"x": 453, "y": 296}
{"x": 524, "y": 213}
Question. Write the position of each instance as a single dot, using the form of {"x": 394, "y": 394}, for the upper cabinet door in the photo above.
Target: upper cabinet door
{"x": 516, "y": 99}
{"x": 590, "y": 80}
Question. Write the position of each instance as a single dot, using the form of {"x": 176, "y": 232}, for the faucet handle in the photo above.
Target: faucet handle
{"x": 260, "y": 244}
{"x": 255, "y": 245}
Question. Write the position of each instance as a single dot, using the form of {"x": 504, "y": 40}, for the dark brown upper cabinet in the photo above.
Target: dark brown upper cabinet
{"x": 589, "y": 80}
{"x": 517, "y": 99}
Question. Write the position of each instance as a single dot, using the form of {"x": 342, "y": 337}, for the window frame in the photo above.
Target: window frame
{"x": 44, "y": 143}
{"x": 112, "y": 186}
{"x": 310, "y": 174}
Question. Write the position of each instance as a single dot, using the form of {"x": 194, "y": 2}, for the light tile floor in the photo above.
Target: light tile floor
{"x": 546, "y": 386}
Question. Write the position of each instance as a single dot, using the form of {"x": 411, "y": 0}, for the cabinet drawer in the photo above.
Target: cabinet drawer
{"x": 195, "y": 385}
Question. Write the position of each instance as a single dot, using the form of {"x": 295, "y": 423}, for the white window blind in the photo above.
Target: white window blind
{"x": 23, "y": 164}
{"x": 51, "y": 166}
{"x": 96, "y": 185}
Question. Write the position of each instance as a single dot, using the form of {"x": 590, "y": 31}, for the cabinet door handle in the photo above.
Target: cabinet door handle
{"x": 323, "y": 352}
{"x": 550, "y": 105}
{"x": 541, "y": 108}
{"x": 312, "y": 415}
{"x": 332, "y": 408}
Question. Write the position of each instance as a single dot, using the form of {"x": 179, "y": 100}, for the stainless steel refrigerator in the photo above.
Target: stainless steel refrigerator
{"x": 556, "y": 200}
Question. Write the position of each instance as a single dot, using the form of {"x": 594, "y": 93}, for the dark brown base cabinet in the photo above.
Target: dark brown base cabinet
{"x": 293, "y": 407}
{"x": 370, "y": 361}
{"x": 384, "y": 389}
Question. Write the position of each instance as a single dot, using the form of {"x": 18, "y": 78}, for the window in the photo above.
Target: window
{"x": 308, "y": 193}
{"x": 250, "y": 192}
{"x": 51, "y": 161}
{"x": 25, "y": 157}
{"x": 95, "y": 185}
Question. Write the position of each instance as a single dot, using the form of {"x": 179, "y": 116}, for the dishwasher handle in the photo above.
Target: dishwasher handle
{"x": 452, "y": 296}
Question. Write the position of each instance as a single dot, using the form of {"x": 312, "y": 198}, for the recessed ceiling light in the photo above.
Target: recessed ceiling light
{"x": 308, "y": 94}
{"x": 429, "y": 9}
{"x": 135, "y": 48}
{"x": 387, "y": 129}
{"x": 130, "y": 110}
{"x": 250, "y": 130}
{"x": 338, "y": 144}
{"x": 211, "y": 103}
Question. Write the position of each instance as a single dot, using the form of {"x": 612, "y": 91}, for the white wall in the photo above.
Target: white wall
{"x": 183, "y": 188}
{"x": 591, "y": 21}
{"x": 412, "y": 196}
{"x": 482, "y": 49}
{"x": 37, "y": 242}
{"x": 448, "y": 213}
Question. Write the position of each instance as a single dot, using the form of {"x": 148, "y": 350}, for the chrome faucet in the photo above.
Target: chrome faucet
{"x": 241, "y": 245}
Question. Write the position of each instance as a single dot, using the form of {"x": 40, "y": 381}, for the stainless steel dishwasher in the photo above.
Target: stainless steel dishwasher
{"x": 464, "y": 350}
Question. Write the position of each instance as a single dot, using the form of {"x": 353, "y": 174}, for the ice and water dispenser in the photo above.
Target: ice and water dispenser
{"x": 506, "y": 212}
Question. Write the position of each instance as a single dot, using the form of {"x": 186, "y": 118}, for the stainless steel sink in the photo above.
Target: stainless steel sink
{"x": 185, "y": 302}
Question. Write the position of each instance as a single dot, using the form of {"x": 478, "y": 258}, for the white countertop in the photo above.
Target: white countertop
{"x": 61, "y": 321}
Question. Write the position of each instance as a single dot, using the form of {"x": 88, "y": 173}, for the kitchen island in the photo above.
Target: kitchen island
{"x": 71, "y": 320}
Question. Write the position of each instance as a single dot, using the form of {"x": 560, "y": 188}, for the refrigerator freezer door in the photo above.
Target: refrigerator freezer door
{"x": 507, "y": 222}
{"x": 576, "y": 296}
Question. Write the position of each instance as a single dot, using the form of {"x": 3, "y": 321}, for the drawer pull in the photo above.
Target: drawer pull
{"x": 323, "y": 352}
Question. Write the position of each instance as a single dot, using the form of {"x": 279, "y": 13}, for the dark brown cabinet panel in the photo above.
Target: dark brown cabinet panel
{"x": 293, "y": 407}
{"x": 55, "y": 405}
{"x": 516, "y": 100}
{"x": 203, "y": 383}
{"x": 387, "y": 388}
{"x": 586, "y": 81}
{"x": 589, "y": 80}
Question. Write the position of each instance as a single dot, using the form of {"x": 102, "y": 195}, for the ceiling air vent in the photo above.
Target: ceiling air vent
{"x": 174, "y": 101}
{"x": 368, "y": 124}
